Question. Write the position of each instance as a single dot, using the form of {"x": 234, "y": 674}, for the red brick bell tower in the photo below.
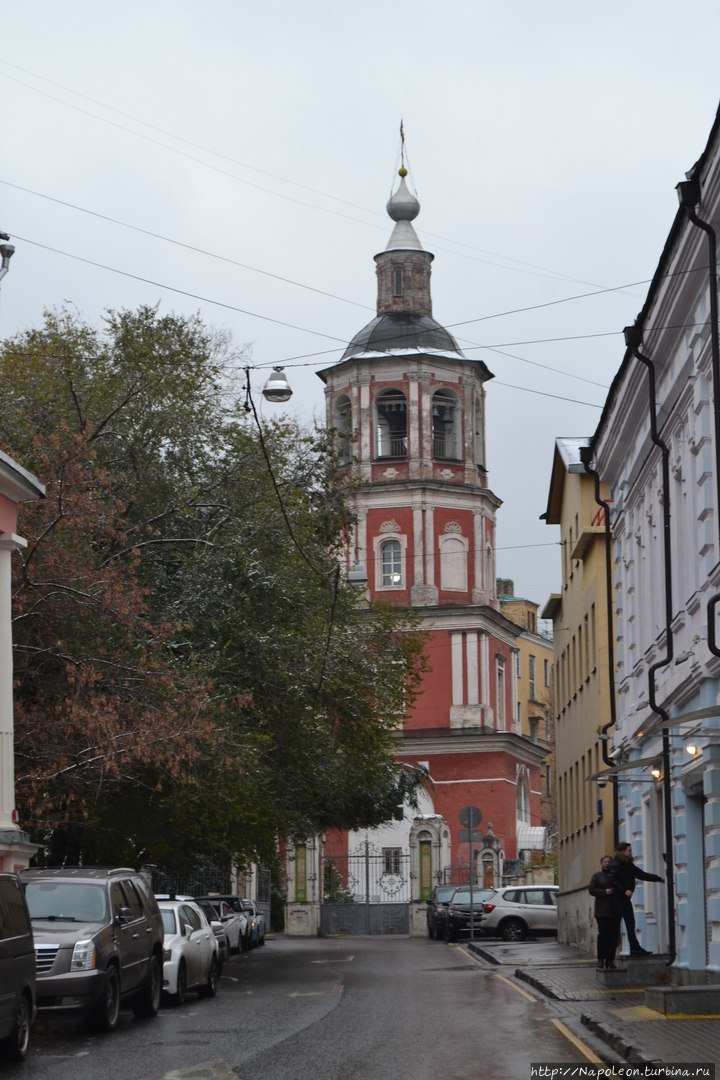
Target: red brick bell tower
{"x": 408, "y": 410}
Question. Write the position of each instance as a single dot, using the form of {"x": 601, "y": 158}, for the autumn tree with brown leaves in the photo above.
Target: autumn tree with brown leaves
{"x": 191, "y": 673}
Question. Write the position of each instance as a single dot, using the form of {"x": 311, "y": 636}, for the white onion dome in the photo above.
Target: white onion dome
{"x": 402, "y": 204}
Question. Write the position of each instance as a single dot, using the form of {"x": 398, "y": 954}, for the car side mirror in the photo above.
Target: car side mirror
{"x": 124, "y": 914}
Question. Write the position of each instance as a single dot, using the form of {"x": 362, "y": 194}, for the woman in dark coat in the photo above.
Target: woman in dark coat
{"x": 607, "y": 915}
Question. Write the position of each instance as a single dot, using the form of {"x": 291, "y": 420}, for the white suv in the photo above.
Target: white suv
{"x": 518, "y": 910}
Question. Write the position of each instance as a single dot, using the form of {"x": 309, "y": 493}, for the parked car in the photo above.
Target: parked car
{"x": 212, "y": 917}
{"x": 17, "y": 970}
{"x": 439, "y": 897}
{"x": 217, "y": 928}
{"x": 190, "y": 956}
{"x": 244, "y": 941}
{"x": 462, "y": 912}
{"x": 234, "y": 923}
{"x": 256, "y": 921}
{"x": 518, "y": 910}
{"x": 98, "y": 941}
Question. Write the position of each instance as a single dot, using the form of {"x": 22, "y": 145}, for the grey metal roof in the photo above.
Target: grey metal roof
{"x": 388, "y": 333}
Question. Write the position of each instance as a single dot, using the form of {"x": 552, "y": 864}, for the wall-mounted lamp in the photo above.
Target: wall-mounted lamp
{"x": 656, "y": 772}
{"x": 277, "y": 388}
{"x": 693, "y": 750}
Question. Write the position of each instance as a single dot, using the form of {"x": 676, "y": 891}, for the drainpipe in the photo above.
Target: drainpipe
{"x": 585, "y": 457}
{"x": 633, "y": 340}
{"x": 689, "y": 195}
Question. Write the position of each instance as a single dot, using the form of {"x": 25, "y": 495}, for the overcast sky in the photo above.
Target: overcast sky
{"x": 545, "y": 139}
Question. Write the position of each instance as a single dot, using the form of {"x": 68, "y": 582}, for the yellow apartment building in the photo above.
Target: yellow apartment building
{"x": 582, "y": 655}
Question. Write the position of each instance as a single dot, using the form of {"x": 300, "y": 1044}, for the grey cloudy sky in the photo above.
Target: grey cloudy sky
{"x": 545, "y": 139}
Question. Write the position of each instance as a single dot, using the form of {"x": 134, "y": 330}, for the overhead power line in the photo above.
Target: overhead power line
{"x": 521, "y": 267}
{"x": 183, "y": 244}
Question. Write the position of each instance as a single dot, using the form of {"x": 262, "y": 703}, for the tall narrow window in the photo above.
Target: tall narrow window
{"x": 391, "y": 421}
{"x": 342, "y": 417}
{"x": 391, "y": 560}
{"x": 479, "y": 436}
{"x": 397, "y": 278}
{"x": 500, "y": 691}
{"x": 532, "y": 679}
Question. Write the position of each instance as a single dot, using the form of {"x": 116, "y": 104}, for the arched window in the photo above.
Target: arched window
{"x": 446, "y": 425}
{"x": 522, "y": 809}
{"x": 342, "y": 422}
{"x": 391, "y": 424}
{"x": 453, "y": 562}
{"x": 391, "y": 575}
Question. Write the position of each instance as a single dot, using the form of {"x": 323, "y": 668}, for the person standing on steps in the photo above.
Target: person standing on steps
{"x": 623, "y": 874}
{"x": 607, "y": 915}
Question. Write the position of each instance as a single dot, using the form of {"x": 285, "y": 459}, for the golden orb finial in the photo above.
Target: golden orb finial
{"x": 402, "y": 171}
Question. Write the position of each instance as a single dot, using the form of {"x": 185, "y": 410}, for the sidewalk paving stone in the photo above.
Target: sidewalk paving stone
{"x": 616, "y": 1016}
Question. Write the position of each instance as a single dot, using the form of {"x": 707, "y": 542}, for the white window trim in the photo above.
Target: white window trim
{"x": 378, "y": 541}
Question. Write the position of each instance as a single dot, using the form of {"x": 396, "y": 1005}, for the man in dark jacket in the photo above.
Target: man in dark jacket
{"x": 623, "y": 874}
{"x": 607, "y": 915}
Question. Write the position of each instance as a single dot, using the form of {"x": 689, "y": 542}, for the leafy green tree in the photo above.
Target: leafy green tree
{"x": 192, "y": 672}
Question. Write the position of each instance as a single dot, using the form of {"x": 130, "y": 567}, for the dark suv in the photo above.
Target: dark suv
{"x": 17, "y": 970}
{"x": 439, "y": 899}
{"x": 462, "y": 913}
{"x": 98, "y": 940}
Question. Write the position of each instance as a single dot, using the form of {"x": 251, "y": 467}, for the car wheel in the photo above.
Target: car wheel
{"x": 181, "y": 988}
{"x": 147, "y": 1002}
{"x": 15, "y": 1046}
{"x": 104, "y": 1016}
{"x": 245, "y": 943}
{"x": 261, "y": 939}
{"x": 513, "y": 930}
{"x": 431, "y": 931}
{"x": 210, "y": 987}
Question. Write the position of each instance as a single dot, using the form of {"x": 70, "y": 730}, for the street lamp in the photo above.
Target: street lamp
{"x": 6, "y": 253}
{"x": 277, "y": 388}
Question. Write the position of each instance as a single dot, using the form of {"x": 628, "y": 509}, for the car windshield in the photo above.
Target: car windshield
{"x": 71, "y": 901}
{"x": 479, "y": 896}
{"x": 169, "y": 920}
{"x": 209, "y": 911}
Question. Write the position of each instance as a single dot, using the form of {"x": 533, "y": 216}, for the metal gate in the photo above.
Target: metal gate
{"x": 366, "y": 891}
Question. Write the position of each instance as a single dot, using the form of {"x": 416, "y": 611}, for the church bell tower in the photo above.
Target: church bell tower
{"x": 407, "y": 409}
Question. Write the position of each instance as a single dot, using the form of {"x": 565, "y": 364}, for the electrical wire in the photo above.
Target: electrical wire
{"x": 522, "y": 267}
{"x": 174, "y": 289}
{"x": 182, "y": 244}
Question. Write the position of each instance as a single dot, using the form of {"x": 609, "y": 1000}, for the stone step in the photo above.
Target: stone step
{"x": 637, "y": 971}
{"x": 684, "y": 1000}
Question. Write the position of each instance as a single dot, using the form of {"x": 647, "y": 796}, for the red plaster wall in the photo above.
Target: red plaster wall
{"x": 432, "y": 706}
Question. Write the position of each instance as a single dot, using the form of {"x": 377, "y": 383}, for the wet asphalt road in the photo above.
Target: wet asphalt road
{"x": 369, "y": 1008}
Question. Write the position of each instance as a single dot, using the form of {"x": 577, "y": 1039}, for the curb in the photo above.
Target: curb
{"x": 616, "y": 1041}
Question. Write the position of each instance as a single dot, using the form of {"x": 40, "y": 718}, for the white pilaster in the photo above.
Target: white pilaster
{"x": 9, "y": 542}
{"x": 471, "y": 659}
